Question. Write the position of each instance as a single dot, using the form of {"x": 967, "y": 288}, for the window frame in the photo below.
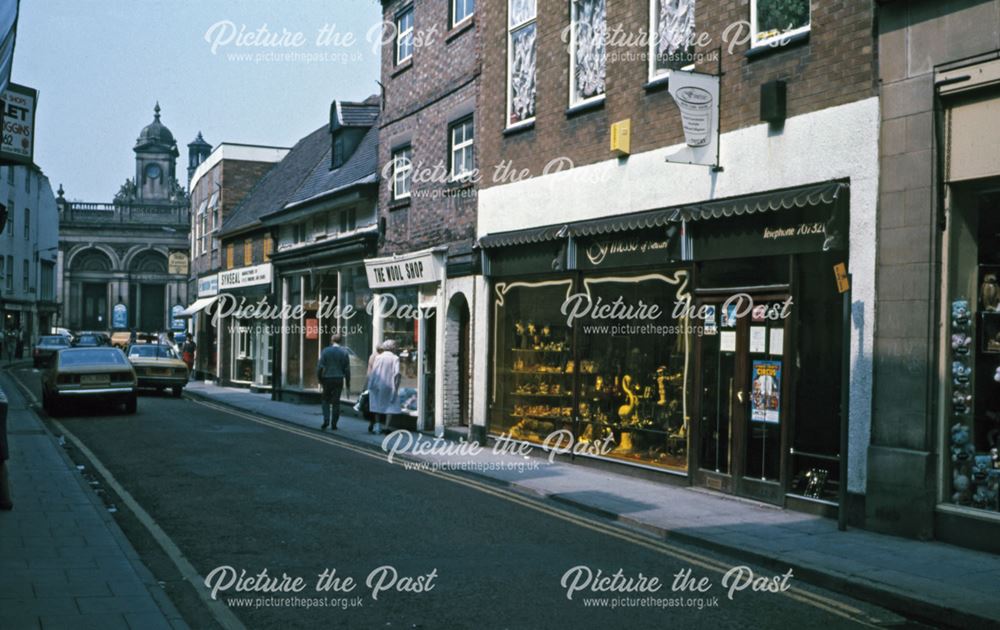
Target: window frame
{"x": 27, "y": 223}
{"x": 652, "y": 74}
{"x": 511, "y": 30}
{"x": 25, "y": 275}
{"x": 572, "y": 61}
{"x": 402, "y": 33}
{"x": 407, "y": 172}
{"x": 455, "y": 23}
{"x": 769, "y": 42}
{"x": 454, "y": 147}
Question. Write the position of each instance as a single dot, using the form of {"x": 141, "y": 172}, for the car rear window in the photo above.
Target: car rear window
{"x": 97, "y": 355}
{"x": 53, "y": 341}
{"x": 151, "y": 352}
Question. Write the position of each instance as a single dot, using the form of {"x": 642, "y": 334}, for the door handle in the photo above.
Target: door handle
{"x": 739, "y": 396}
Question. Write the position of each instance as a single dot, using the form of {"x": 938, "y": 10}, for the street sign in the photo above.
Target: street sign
{"x": 18, "y": 144}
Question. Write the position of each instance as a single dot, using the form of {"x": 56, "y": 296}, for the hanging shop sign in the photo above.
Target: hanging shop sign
{"x": 177, "y": 263}
{"x": 405, "y": 270}
{"x": 626, "y": 250}
{"x": 245, "y": 277}
{"x": 119, "y": 316}
{"x": 798, "y": 231}
{"x": 208, "y": 285}
{"x": 697, "y": 98}
{"x": 19, "y": 104}
{"x": 765, "y": 399}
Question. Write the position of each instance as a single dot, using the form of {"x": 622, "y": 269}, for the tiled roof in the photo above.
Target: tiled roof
{"x": 360, "y": 168}
{"x": 348, "y": 114}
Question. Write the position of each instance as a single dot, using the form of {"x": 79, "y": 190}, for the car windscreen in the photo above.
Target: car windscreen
{"x": 151, "y": 352}
{"x": 53, "y": 341}
{"x": 88, "y": 357}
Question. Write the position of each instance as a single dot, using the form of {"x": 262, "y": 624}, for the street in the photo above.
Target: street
{"x": 423, "y": 549}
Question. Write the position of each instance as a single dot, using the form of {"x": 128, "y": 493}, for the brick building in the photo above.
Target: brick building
{"x": 425, "y": 276}
{"x": 218, "y": 181}
{"x": 600, "y": 190}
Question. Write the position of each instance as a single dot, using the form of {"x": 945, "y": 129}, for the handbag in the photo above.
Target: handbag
{"x": 363, "y": 406}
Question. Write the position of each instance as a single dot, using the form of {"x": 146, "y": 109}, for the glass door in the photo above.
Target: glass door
{"x": 744, "y": 385}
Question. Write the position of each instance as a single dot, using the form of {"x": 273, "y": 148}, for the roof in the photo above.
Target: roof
{"x": 277, "y": 186}
{"x": 350, "y": 114}
{"x": 155, "y": 133}
{"x": 360, "y": 168}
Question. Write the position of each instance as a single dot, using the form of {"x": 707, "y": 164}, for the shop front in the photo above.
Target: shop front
{"x": 702, "y": 341}
{"x": 407, "y": 292}
{"x": 244, "y": 337}
{"x": 202, "y": 328}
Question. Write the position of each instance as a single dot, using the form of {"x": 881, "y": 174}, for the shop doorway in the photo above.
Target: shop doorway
{"x": 744, "y": 406}
{"x": 95, "y": 306}
{"x": 458, "y": 373}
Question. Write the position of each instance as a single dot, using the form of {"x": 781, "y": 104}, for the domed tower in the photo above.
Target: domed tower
{"x": 198, "y": 152}
{"x": 155, "y": 162}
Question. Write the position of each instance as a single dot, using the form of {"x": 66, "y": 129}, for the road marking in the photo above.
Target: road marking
{"x": 835, "y": 607}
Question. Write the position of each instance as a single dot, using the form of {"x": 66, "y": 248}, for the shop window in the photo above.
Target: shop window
{"x": 462, "y": 154}
{"x": 357, "y": 330}
{"x": 522, "y": 55}
{"x": 461, "y": 10}
{"x": 309, "y": 325}
{"x": 628, "y": 378}
{"x": 671, "y": 25}
{"x": 248, "y": 252}
{"x": 402, "y": 165}
{"x": 588, "y": 53}
{"x": 772, "y": 21}
{"x": 399, "y": 324}
{"x": 404, "y": 36}
{"x": 292, "y": 330}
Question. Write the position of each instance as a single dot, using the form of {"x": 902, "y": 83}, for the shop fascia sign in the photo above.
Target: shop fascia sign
{"x": 245, "y": 277}
{"x": 19, "y": 105}
{"x": 208, "y": 285}
{"x": 404, "y": 270}
{"x": 697, "y": 98}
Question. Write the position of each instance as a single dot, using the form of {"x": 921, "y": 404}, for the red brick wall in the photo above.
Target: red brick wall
{"x": 421, "y": 97}
{"x": 836, "y": 66}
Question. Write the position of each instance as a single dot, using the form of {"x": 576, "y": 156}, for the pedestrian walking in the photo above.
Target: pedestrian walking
{"x": 383, "y": 386}
{"x": 187, "y": 352}
{"x": 334, "y": 374}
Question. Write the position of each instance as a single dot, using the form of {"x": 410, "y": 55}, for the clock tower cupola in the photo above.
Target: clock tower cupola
{"x": 156, "y": 163}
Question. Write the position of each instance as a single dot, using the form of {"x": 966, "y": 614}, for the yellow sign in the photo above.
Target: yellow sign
{"x": 843, "y": 281}
{"x": 177, "y": 263}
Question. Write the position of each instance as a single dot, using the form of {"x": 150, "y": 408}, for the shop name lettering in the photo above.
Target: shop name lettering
{"x": 583, "y": 579}
{"x": 384, "y": 579}
{"x": 805, "y": 229}
{"x": 581, "y": 305}
{"x": 399, "y": 273}
{"x": 599, "y": 251}
{"x": 229, "y": 305}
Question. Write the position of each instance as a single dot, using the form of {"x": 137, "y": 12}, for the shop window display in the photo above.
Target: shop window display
{"x": 357, "y": 330}
{"x": 400, "y": 324}
{"x": 310, "y": 330}
{"x": 292, "y": 330}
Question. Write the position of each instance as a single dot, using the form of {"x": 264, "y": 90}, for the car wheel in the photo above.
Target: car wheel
{"x": 177, "y": 391}
{"x": 131, "y": 404}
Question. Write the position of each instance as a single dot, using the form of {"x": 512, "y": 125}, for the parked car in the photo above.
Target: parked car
{"x": 158, "y": 367}
{"x": 47, "y": 347}
{"x": 88, "y": 340}
{"x": 94, "y": 373}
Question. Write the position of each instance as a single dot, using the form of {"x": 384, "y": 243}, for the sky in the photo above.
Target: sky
{"x": 101, "y": 65}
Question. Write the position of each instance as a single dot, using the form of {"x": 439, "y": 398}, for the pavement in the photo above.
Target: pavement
{"x": 64, "y": 562}
{"x": 937, "y": 583}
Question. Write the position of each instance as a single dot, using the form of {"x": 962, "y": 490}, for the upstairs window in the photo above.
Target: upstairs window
{"x": 248, "y": 252}
{"x": 229, "y": 256}
{"x": 27, "y": 224}
{"x": 462, "y": 142}
{"x": 404, "y": 36}
{"x": 402, "y": 166}
{"x": 268, "y": 245}
{"x": 774, "y": 20}
{"x": 461, "y": 10}
{"x": 671, "y": 23}
{"x": 522, "y": 53}
{"x": 10, "y": 212}
{"x": 587, "y": 51}
{"x": 24, "y": 275}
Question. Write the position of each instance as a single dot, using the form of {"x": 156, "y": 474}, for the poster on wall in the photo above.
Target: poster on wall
{"x": 312, "y": 328}
{"x": 765, "y": 400}
{"x": 177, "y": 322}
{"x": 119, "y": 316}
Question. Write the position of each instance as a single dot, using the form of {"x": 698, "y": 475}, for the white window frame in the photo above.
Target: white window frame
{"x": 770, "y": 41}
{"x": 572, "y": 62}
{"x": 459, "y": 147}
{"x": 403, "y": 33}
{"x": 653, "y": 75}
{"x": 400, "y": 172}
{"x": 511, "y": 29}
{"x": 454, "y": 12}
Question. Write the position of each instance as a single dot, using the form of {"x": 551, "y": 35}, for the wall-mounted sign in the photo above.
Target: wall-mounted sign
{"x": 806, "y": 230}
{"x": 18, "y": 104}
{"x": 697, "y": 97}
{"x": 408, "y": 269}
{"x": 312, "y": 328}
{"x": 208, "y": 285}
{"x": 177, "y": 322}
{"x": 765, "y": 397}
{"x": 119, "y": 316}
{"x": 177, "y": 263}
{"x": 617, "y": 250}
{"x": 245, "y": 276}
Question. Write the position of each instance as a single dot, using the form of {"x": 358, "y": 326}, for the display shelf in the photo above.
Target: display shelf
{"x": 525, "y": 395}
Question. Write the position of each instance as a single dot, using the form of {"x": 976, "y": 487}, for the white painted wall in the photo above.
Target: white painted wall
{"x": 835, "y": 143}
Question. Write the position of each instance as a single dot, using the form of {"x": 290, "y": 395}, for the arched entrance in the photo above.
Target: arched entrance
{"x": 148, "y": 292}
{"x": 458, "y": 372}
{"x": 92, "y": 267}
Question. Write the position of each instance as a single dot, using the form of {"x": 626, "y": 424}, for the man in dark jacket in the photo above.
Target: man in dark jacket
{"x": 334, "y": 374}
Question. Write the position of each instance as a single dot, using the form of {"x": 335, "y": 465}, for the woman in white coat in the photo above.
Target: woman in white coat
{"x": 383, "y": 386}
